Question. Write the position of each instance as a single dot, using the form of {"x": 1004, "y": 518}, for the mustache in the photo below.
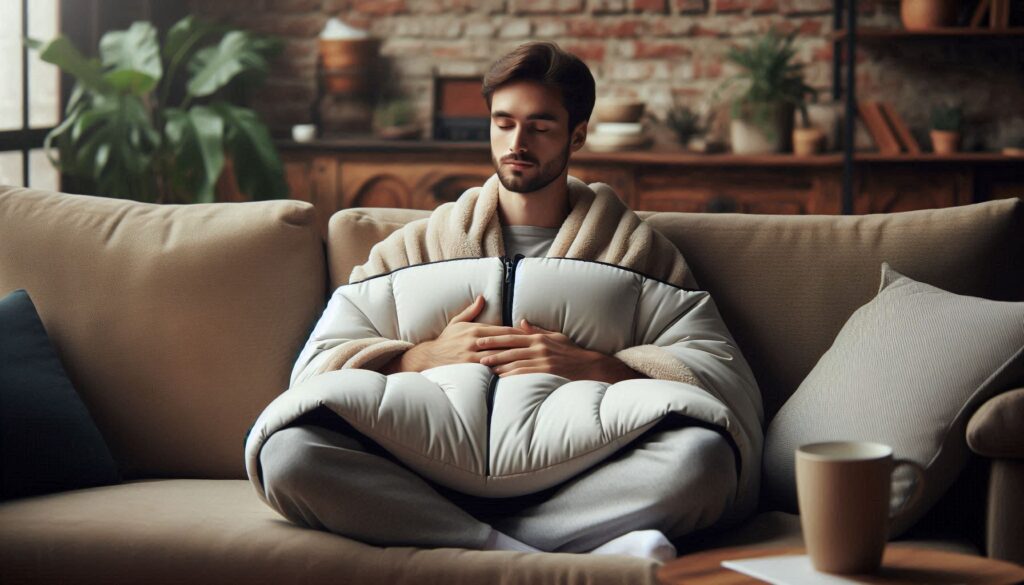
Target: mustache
{"x": 517, "y": 158}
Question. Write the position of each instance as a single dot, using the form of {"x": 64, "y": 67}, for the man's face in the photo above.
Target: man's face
{"x": 530, "y": 139}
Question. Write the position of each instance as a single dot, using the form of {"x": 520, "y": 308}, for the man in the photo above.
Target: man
{"x": 320, "y": 473}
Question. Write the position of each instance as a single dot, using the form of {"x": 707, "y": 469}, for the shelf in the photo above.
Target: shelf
{"x": 955, "y": 32}
{"x": 930, "y": 157}
{"x": 659, "y": 155}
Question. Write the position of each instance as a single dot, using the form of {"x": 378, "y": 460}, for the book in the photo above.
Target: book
{"x": 884, "y": 139}
{"x": 979, "y": 13}
{"x": 999, "y": 14}
{"x": 900, "y": 128}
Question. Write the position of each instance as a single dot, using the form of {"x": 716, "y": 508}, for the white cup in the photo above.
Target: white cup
{"x": 303, "y": 132}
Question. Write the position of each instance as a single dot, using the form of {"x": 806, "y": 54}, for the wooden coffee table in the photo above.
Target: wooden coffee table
{"x": 900, "y": 565}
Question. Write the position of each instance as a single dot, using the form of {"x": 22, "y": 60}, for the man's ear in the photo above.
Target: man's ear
{"x": 579, "y": 136}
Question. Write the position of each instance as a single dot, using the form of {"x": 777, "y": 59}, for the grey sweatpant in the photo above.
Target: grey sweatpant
{"x": 676, "y": 481}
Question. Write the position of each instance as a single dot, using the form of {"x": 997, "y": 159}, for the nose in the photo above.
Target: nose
{"x": 517, "y": 146}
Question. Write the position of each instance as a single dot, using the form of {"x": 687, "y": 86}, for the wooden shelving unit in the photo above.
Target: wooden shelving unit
{"x": 846, "y": 35}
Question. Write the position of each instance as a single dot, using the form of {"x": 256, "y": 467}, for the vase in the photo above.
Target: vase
{"x": 928, "y": 14}
{"x": 748, "y": 132}
{"x": 348, "y": 64}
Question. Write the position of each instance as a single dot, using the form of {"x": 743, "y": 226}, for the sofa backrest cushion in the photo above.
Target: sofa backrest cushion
{"x": 176, "y": 324}
{"x": 785, "y": 285}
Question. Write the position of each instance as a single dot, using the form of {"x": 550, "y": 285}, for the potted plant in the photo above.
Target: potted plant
{"x": 946, "y": 127}
{"x": 772, "y": 89}
{"x": 684, "y": 122}
{"x": 395, "y": 119}
{"x": 158, "y": 124}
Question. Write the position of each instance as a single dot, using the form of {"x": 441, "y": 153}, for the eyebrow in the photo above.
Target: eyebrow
{"x": 540, "y": 116}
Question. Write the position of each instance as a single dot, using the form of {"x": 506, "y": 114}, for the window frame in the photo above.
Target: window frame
{"x": 27, "y": 139}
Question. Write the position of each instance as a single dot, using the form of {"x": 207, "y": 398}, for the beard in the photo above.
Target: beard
{"x": 545, "y": 174}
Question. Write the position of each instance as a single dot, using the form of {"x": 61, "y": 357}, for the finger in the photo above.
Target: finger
{"x": 503, "y": 341}
{"x": 519, "y": 371}
{"x": 534, "y": 365}
{"x": 501, "y": 357}
{"x": 480, "y": 330}
{"x": 470, "y": 312}
{"x": 480, "y": 355}
{"x": 533, "y": 328}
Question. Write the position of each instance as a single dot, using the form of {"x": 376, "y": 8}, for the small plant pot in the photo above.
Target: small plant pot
{"x": 807, "y": 141}
{"x": 928, "y": 14}
{"x": 747, "y": 137}
{"x": 945, "y": 141}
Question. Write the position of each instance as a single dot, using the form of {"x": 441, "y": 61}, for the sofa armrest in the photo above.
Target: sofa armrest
{"x": 995, "y": 429}
{"x": 994, "y": 432}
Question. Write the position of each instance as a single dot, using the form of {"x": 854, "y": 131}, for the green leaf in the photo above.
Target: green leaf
{"x": 258, "y": 168}
{"x": 182, "y": 39}
{"x": 63, "y": 54}
{"x": 135, "y": 49}
{"x": 128, "y": 81}
{"x": 180, "y": 36}
{"x": 197, "y": 139}
{"x": 213, "y": 67}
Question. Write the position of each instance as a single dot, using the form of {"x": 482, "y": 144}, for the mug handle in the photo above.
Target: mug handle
{"x": 918, "y": 486}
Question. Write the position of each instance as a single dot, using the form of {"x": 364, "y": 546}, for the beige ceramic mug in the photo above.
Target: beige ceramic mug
{"x": 844, "y": 493}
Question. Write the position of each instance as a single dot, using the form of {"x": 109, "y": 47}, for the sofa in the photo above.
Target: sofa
{"x": 177, "y": 325}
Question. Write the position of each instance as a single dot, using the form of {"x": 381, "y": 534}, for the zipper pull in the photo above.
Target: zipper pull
{"x": 508, "y": 270}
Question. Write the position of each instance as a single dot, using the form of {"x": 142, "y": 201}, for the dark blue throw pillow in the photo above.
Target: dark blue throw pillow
{"x": 48, "y": 440}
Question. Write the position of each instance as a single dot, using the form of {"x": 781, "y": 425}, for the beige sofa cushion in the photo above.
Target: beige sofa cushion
{"x": 786, "y": 284}
{"x": 176, "y": 324}
{"x": 906, "y": 370}
{"x": 218, "y": 531}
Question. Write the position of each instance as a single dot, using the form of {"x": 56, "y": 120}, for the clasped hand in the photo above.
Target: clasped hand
{"x": 510, "y": 350}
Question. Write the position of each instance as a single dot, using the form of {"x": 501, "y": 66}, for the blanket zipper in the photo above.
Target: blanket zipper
{"x": 506, "y": 319}
{"x": 506, "y": 291}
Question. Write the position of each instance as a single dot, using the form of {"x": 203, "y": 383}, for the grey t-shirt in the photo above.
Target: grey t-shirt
{"x": 528, "y": 240}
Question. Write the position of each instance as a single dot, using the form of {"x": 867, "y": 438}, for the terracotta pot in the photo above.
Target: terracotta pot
{"x": 928, "y": 14}
{"x": 807, "y": 141}
{"x": 945, "y": 142}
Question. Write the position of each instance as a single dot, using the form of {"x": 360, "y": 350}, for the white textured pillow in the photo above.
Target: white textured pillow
{"x": 907, "y": 370}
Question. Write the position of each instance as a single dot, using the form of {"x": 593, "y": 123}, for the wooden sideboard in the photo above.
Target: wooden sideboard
{"x": 338, "y": 174}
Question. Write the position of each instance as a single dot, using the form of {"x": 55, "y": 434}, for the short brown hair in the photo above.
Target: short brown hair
{"x": 548, "y": 64}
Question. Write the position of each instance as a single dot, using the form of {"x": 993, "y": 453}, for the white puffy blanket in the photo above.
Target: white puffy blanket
{"x": 465, "y": 428}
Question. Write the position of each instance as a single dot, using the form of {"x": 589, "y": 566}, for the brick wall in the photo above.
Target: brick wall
{"x": 659, "y": 50}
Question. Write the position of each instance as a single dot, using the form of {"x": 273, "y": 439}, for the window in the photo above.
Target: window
{"x": 29, "y": 94}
